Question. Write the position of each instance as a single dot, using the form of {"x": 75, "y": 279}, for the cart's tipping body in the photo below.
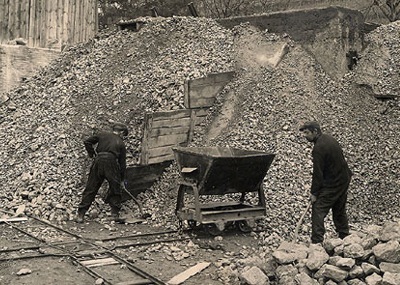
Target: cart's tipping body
{"x": 220, "y": 171}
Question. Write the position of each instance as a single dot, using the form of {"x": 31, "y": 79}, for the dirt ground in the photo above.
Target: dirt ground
{"x": 162, "y": 260}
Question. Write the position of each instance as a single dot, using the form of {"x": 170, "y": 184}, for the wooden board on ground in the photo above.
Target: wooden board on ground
{"x": 99, "y": 262}
{"x": 13, "y": 219}
{"x": 182, "y": 277}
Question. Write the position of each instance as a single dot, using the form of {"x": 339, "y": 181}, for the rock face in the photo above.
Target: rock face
{"x": 380, "y": 266}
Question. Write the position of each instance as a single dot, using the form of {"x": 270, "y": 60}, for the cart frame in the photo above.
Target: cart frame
{"x": 196, "y": 181}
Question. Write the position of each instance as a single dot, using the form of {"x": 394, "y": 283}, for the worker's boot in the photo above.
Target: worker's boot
{"x": 115, "y": 216}
{"x": 80, "y": 217}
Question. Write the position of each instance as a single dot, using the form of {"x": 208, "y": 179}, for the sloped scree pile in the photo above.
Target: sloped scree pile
{"x": 379, "y": 64}
{"x": 271, "y": 103}
{"x": 120, "y": 76}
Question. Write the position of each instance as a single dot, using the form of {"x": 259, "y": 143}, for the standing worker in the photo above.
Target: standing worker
{"x": 330, "y": 182}
{"x": 110, "y": 164}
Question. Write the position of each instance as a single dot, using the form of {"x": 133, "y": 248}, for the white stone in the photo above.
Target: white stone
{"x": 254, "y": 276}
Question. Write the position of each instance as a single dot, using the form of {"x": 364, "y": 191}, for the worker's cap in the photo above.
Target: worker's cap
{"x": 311, "y": 125}
{"x": 120, "y": 127}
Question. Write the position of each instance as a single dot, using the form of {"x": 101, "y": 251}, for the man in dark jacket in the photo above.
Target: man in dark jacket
{"x": 110, "y": 164}
{"x": 330, "y": 182}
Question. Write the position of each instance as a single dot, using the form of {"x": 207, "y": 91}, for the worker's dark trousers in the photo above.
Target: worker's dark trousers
{"x": 330, "y": 198}
{"x": 105, "y": 166}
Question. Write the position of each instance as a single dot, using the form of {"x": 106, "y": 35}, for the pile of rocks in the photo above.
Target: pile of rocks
{"x": 369, "y": 257}
{"x": 123, "y": 75}
{"x": 270, "y": 103}
{"x": 118, "y": 76}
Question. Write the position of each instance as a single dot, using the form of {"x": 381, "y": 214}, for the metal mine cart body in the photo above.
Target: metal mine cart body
{"x": 220, "y": 171}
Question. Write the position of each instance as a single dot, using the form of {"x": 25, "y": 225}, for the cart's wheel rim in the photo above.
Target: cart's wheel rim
{"x": 212, "y": 229}
{"x": 243, "y": 226}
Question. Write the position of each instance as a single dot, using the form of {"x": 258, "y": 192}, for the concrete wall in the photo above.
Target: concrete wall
{"x": 18, "y": 61}
{"x": 328, "y": 33}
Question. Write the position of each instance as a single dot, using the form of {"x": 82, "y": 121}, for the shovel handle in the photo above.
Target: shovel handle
{"x": 296, "y": 233}
{"x": 134, "y": 199}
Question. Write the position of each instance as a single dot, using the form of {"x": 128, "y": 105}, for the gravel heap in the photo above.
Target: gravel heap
{"x": 271, "y": 104}
{"x": 122, "y": 75}
{"x": 379, "y": 65}
{"x": 119, "y": 76}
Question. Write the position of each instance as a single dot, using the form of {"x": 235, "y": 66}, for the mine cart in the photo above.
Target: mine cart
{"x": 218, "y": 171}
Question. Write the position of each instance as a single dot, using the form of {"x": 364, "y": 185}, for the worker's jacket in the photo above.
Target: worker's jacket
{"x": 108, "y": 143}
{"x": 330, "y": 168}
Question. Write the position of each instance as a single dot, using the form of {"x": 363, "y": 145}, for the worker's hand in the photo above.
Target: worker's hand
{"x": 313, "y": 198}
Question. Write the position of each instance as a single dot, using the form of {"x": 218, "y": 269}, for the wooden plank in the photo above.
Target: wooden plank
{"x": 36, "y": 33}
{"x": 212, "y": 79}
{"x": 169, "y": 140}
{"x": 18, "y": 19}
{"x": 201, "y": 112}
{"x": 99, "y": 262}
{"x": 186, "y": 94}
{"x": 25, "y": 20}
{"x": 71, "y": 15}
{"x": 3, "y": 20}
{"x": 160, "y": 151}
{"x": 31, "y": 24}
{"x": 43, "y": 23}
{"x": 155, "y": 132}
{"x": 65, "y": 24}
{"x": 77, "y": 22}
{"x": 193, "y": 122}
{"x": 160, "y": 159}
{"x": 178, "y": 114}
{"x": 95, "y": 20}
{"x": 11, "y": 20}
{"x": 14, "y": 219}
{"x": 182, "y": 277}
{"x": 148, "y": 119}
{"x": 202, "y": 102}
{"x": 51, "y": 23}
{"x": 172, "y": 123}
{"x": 205, "y": 91}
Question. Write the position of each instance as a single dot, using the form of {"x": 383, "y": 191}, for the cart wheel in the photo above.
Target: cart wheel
{"x": 212, "y": 229}
{"x": 243, "y": 226}
{"x": 192, "y": 224}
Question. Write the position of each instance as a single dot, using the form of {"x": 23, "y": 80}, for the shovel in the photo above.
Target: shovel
{"x": 296, "y": 233}
{"x": 142, "y": 215}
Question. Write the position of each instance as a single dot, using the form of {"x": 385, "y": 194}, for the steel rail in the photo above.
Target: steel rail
{"x": 131, "y": 267}
{"x": 138, "y": 235}
{"x": 19, "y": 249}
{"x": 147, "y": 243}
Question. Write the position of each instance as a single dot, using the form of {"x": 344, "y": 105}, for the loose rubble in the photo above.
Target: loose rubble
{"x": 368, "y": 257}
{"x": 271, "y": 103}
{"x": 122, "y": 75}
{"x": 119, "y": 76}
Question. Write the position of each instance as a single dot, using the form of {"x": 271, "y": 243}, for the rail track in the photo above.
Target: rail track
{"x": 35, "y": 239}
